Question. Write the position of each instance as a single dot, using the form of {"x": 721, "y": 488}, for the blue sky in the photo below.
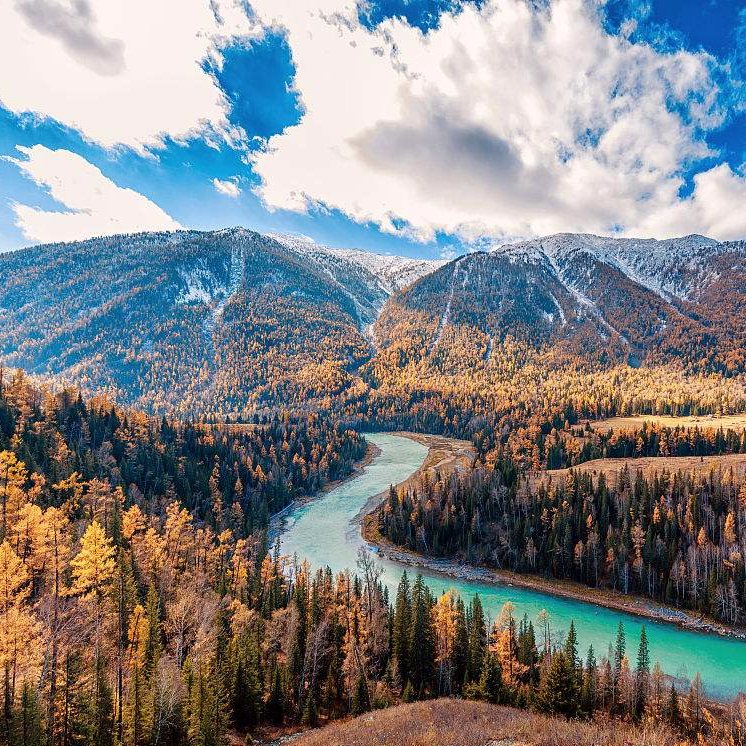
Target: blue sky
{"x": 393, "y": 127}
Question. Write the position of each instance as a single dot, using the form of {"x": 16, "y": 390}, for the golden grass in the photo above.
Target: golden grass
{"x": 704, "y": 422}
{"x": 650, "y": 465}
{"x": 450, "y": 722}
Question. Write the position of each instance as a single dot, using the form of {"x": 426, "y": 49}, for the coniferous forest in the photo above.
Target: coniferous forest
{"x": 674, "y": 537}
{"x": 141, "y": 605}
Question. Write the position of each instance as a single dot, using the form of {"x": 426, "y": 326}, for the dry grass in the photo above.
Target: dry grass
{"x": 611, "y": 467}
{"x": 448, "y": 722}
{"x": 704, "y": 422}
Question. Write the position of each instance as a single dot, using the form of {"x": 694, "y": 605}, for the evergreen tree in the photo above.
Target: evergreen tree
{"x": 401, "y": 630}
{"x": 673, "y": 712}
{"x": 275, "y": 707}
{"x": 360, "y": 703}
{"x": 421, "y": 639}
{"x": 491, "y": 682}
{"x": 558, "y": 691}
{"x": 571, "y": 646}
{"x": 590, "y": 683}
{"x": 477, "y": 639}
{"x": 460, "y": 655}
{"x": 642, "y": 675}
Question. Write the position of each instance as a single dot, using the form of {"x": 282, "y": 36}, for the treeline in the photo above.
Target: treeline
{"x": 559, "y": 450}
{"x": 96, "y": 453}
{"x": 677, "y": 538}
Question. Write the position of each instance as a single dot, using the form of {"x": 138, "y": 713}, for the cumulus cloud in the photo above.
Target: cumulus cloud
{"x": 122, "y": 72}
{"x": 95, "y": 205}
{"x": 512, "y": 118}
{"x": 228, "y": 187}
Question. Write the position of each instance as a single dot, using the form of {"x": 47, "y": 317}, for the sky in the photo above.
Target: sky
{"x": 417, "y": 127}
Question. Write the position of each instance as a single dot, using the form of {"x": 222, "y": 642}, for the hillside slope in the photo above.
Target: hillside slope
{"x": 451, "y": 722}
{"x": 605, "y": 300}
{"x": 190, "y": 322}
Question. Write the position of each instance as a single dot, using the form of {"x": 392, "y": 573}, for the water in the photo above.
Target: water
{"x": 323, "y": 532}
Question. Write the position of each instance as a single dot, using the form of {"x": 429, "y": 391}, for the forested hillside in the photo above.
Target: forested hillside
{"x": 213, "y": 324}
{"x": 678, "y": 537}
{"x": 530, "y": 336}
{"x": 492, "y": 346}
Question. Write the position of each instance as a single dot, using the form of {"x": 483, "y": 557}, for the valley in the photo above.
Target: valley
{"x": 223, "y": 412}
{"x": 705, "y": 422}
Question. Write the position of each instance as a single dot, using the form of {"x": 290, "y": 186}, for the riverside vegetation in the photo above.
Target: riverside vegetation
{"x": 139, "y": 604}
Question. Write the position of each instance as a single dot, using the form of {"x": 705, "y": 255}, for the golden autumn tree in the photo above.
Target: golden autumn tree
{"x": 93, "y": 570}
{"x": 18, "y": 627}
{"x": 445, "y": 617}
{"x": 13, "y": 478}
{"x": 94, "y": 565}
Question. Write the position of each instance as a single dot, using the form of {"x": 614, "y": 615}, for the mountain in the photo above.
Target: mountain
{"x": 608, "y": 300}
{"x": 217, "y": 322}
{"x": 230, "y": 322}
{"x": 391, "y": 273}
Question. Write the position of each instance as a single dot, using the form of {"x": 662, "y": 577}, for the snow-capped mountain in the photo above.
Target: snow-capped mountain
{"x": 611, "y": 299}
{"x": 675, "y": 268}
{"x": 226, "y": 321}
{"x": 391, "y": 272}
{"x": 195, "y": 320}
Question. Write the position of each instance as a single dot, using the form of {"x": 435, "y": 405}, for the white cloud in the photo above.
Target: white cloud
{"x": 504, "y": 120}
{"x": 228, "y": 187}
{"x": 95, "y": 205}
{"x": 119, "y": 71}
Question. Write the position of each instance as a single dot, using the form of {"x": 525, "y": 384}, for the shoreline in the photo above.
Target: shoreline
{"x": 445, "y": 454}
{"x": 630, "y": 604}
{"x": 276, "y": 520}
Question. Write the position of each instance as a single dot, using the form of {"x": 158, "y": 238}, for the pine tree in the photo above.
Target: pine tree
{"x": 401, "y": 631}
{"x": 275, "y": 707}
{"x": 642, "y": 675}
{"x": 558, "y": 692}
{"x": 673, "y": 712}
{"x": 421, "y": 640}
{"x": 571, "y": 646}
{"x": 360, "y": 703}
{"x": 590, "y": 683}
{"x": 491, "y": 681}
{"x": 477, "y": 640}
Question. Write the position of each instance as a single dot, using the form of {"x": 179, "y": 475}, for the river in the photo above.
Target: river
{"x": 324, "y": 532}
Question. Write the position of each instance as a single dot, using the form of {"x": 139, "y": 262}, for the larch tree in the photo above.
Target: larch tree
{"x": 93, "y": 570}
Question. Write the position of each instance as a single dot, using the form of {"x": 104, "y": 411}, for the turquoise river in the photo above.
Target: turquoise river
{"x": 325, "y": 533}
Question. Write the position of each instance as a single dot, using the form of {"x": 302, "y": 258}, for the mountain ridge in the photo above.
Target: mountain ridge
{"x": 222, "y": 323}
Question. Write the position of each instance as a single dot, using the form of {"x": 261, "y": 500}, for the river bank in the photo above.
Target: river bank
{"x": 276, "y": 519}
{"x": 444, "y": 455}
{"x": 447, "y": 454}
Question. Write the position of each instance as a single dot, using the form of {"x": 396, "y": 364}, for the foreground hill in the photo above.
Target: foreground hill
{"x": 449, "y": 722}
